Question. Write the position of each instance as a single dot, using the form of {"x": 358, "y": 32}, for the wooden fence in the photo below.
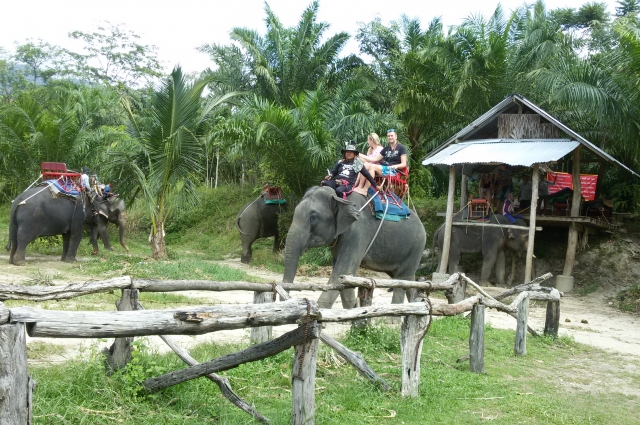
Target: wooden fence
{"x": 133, "y": 320}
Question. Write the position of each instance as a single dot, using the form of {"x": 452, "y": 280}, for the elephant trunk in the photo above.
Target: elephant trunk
{"x": 294, "y": 248}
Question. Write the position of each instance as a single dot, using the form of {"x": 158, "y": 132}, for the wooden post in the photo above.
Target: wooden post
{"x": 412, "y": 333}
{"x": 476, "y": 339}
{"x": 520, "y": 347}
{"x": 552, "y": 321}
{"x": 365, "y": 299}
{"x": 119, "y": 354}
{"x": 575, "y": 212}
{"x": 15, "y": 385}
{"x": 444, "y": 259}
{"x": 464, "y": 193}
{"x": 303, "y": 374}
{"x": 535, "y": 178}
{"x": 263, "y": 333}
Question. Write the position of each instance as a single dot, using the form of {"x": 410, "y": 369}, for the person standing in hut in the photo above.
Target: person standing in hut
{"x": 526, "y": 188}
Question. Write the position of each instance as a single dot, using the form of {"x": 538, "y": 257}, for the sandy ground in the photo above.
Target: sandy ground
{"x": 588, "y": 319}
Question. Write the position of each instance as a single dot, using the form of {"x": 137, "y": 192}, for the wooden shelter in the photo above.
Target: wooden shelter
{"x": 517, "y": 132}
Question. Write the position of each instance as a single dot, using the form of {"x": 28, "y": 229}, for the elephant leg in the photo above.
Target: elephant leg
{"x": 121, "y": 223}
{"x": 104, "y": 234}
{"x": 65, "y": 245}
{"x": 454, "y": 259}
{"x": 487, "y": 266}
{"x": 17, "y": 254}
{"x": 75, "y": 237}
{"x": 327, "y": 298}
{"x": 247, "y": 241}
{"x": 500, "y": 268}
{"x": 94, "y": 239}
{"x": 513, "y": 271}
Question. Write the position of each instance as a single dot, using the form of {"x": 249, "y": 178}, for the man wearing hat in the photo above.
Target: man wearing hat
{"x": 344, "y": 174}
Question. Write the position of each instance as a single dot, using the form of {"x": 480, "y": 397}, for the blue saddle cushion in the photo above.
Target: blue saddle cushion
{"x": 65, "y": 187}
{"x": 396, "y": 206}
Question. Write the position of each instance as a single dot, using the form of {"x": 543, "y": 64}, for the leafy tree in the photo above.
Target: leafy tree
{"x": 627, "y": 7}
{"x": 114, "y": 57}
{"x": 281, "y": 64}
{"x": 43, "y": 59}
{"x": 161, "y": 162}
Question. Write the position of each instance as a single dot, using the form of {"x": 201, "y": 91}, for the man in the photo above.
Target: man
{"x": 84, "y": 179}
{"x": 344, "y": 174}
{"x": 525, "y": 192}
{"x": 107, "y": 192}
{"x": 394, "y": 157}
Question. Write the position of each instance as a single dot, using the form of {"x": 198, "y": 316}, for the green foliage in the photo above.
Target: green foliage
{"x": 629, "y": 299}
{"x": 626, "y": 197}
{"x": 375, "y": 338}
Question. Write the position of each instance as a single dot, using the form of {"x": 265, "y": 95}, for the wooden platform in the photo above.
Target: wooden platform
{"x": 562, "y": 221}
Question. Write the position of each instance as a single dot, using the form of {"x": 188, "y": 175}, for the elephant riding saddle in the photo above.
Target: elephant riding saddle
{"x": 272, "y": 195}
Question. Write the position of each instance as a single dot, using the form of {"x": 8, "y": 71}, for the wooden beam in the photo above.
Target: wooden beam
{"x": 303, "y": 383}
{"x": 412, "y": 335}
{"x": 575, "y": 212}
{"x": 535, "y": 178}
{"x": 476, "y": 339}
{"x": 42, "y": 293}
{"x": 520, "y": 345}
{"x": 444, "y": 259}
{"x": 502, "y": 226}
{"x": 263, "y": 333}
{"x": 14, "y": 381}
{"x": 464, "y": 192}
{"x": 4, "y": 314}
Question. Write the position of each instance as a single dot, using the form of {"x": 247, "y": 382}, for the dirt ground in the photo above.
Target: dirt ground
{"x": 590, "y": 319}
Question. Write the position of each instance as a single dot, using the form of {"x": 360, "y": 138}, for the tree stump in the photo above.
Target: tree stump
{"x": 263, "y": 333}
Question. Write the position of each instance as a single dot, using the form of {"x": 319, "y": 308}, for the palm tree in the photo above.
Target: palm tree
{"x": 162, "y": 161}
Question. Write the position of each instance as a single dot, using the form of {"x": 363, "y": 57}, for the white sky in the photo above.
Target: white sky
{"x": 178, "y": 27}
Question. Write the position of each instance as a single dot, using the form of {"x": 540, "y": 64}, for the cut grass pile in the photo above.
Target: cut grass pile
{"x": 548, "y": 386}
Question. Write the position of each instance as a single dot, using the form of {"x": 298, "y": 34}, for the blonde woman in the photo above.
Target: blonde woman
{"x": 374, "y": 150}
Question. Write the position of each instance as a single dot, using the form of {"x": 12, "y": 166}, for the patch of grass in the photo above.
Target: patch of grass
{"x": 39, "y": 349}
{"x": 629, "y": 299}
{"x": 547, "y": 386}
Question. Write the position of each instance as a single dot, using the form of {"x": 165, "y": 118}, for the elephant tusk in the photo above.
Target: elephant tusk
{"x": 534, "y": 255}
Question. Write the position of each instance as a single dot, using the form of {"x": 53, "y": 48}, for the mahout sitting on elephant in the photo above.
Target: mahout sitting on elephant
{"x": 259, "y": 219}
{"x": 324, "y": 219}
{"x": 47, "y": 210}
{"x": 491, "y": 241}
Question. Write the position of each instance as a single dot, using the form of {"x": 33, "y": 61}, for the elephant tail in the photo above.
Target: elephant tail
{"x": 238, "y": 225}
{"x": 8, "y": 247}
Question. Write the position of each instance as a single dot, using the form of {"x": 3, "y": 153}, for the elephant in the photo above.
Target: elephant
{"x": 258, "y": 219}
{"x": 324, "y": 219}
{"x": 491, "y": 241}
{"x": 37, "y": 212}
{"x": 111, "y": 210}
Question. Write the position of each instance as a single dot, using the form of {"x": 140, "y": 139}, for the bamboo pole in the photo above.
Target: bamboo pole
{"x": 535, "y": 178}
{"x": 446, "y": 245}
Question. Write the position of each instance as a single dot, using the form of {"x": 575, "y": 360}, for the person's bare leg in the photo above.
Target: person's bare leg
{"x": 362, "y": 185}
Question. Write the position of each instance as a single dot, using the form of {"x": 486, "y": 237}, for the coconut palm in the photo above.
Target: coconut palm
{"x": 162, "y": 161}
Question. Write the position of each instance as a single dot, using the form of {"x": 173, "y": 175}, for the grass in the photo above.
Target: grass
{"x": 548, "y": 386}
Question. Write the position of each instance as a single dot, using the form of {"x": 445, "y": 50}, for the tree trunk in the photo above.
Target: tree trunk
{"x": 217, "y": 165}
{"x": 157, "y": 242}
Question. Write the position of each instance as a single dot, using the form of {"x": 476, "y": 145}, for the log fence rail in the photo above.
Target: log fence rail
{"x": 132, "y": 320}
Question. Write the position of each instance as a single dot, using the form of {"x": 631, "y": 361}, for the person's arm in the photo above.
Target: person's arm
{"x": 334, "y": 172}
{"x": 367, "y": 175}
{"x": 402, "y": 165}
{"x": 375, "y": 157}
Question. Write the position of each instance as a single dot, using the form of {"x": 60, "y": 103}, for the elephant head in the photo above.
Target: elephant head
{"x": 517, "y": 240}
{"x": 318, "y": 220}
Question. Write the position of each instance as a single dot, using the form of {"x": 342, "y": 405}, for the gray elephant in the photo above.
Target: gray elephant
{"x": 38, "y": 212}
{"x": 323, "y": 219}
{"x": 258, "y": 219}
{"x": 111, "y": 210}
{"x": 491, "y": 241}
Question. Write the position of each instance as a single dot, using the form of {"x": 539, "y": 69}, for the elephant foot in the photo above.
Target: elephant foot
{"x": 501, "y": 285}
{"x": 16, "y": 262}
{"x": 94, "y": 252}
{"x": 245, "y": 259}
{"x": 69, "y": 260}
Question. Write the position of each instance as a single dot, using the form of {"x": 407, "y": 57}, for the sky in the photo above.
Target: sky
{"x": 177, "y": 28}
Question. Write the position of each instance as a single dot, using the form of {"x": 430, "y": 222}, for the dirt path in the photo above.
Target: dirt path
{"x": 588, "y": 319}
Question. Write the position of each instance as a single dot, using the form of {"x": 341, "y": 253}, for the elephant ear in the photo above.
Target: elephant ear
{"x": 345, "y": 212}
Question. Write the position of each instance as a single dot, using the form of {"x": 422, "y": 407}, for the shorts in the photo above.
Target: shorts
{"x": 388, "y": 171}
{"x": 504, "y": 192}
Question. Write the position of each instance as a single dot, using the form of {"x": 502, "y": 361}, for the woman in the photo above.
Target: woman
{"x": 374, "y": 149}
{"x": 485, "y": 189}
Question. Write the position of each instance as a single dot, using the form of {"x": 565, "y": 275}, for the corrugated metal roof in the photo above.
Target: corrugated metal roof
{"x": 521, "y": 100}
{"x": 524, "y": 152}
